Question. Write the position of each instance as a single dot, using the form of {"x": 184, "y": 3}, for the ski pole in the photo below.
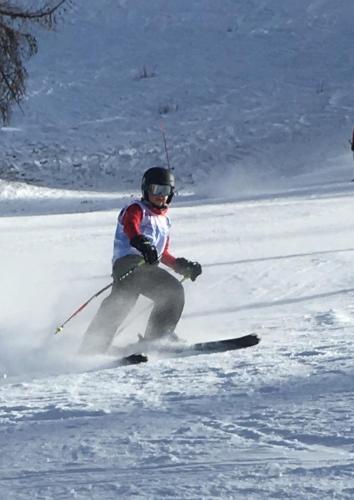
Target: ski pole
{"x": 165, "y": 145}
{"x": 128, "y": 273}
{"x": 351, "y": 142}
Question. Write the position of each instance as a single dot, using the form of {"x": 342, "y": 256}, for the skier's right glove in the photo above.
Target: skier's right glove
{"x": 146, "y": 248}
{"x": 188, "y": 268}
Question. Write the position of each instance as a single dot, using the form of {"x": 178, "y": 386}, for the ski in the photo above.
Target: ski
{"x": 226, "y": 345}
{"x": 132, "y": 359}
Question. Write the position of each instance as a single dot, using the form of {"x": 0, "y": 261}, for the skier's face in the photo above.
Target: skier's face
{"x": 158, "y": 200}
{"x": 158, "y": 194}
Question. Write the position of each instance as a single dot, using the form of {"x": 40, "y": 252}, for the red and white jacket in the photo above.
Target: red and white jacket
{"x": 139, "y": 217}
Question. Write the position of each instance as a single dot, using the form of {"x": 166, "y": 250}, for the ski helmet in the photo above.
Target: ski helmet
{"x": 160, "y": 176}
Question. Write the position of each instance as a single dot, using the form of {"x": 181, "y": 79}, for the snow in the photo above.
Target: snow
{"x": 259, "y": 98}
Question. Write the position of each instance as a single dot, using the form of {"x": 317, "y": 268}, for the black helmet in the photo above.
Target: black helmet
{"x": 158, "y": 175}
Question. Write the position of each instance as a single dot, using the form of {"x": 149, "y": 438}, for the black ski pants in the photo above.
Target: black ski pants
{"x": 152, "y": 281}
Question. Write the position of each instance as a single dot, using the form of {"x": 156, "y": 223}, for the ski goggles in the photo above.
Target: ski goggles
{"x": 160, "y": 190}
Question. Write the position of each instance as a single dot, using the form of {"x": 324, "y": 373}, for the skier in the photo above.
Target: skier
{"x": 141, "y": 242}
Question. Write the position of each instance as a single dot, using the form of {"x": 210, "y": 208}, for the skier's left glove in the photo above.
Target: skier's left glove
{"x": 188, "y": 268}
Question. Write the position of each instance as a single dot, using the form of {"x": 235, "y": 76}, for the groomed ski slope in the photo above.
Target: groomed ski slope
{"x": 273, "y": 421}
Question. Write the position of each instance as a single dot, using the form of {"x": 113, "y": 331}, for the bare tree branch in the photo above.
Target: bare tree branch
{"x": 18, "y": 44}
{"x": 16, "y": 12}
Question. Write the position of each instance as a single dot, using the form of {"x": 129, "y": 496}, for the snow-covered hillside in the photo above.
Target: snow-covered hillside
{"x": 255, "y": 91}
{"x": 256, "y": 98}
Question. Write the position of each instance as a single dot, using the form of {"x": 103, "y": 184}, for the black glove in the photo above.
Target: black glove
{"x": 188, "y": 268}
{"x": 146, "y": 248}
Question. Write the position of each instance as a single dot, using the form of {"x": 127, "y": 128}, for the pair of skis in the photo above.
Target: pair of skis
{"x": 177, "y": 350}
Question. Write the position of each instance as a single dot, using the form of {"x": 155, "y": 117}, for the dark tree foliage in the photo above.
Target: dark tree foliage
{"x": 18, "y": 44}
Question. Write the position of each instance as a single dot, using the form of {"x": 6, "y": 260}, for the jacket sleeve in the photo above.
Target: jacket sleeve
{"x": 168, "y": 259}
{"x": 131, "y": 221}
